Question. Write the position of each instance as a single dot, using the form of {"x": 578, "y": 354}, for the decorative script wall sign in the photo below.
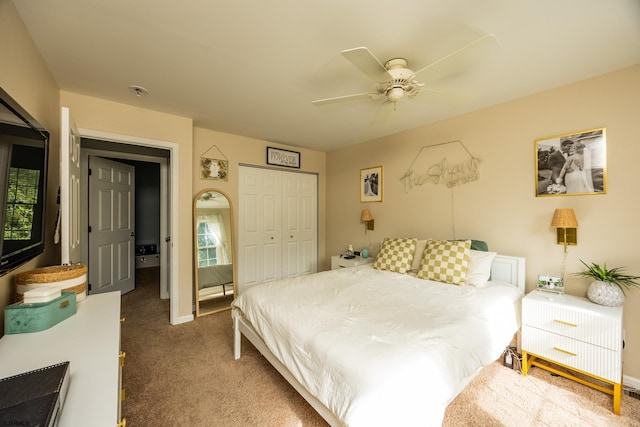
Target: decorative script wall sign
{"x": 457, "y": 166}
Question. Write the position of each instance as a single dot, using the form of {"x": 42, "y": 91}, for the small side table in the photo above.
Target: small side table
{"x": 575, "y": 334}
{"x": 337, "y": 262}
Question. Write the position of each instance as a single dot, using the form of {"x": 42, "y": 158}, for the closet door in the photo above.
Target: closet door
{"x": 300, "y": 224}
{"x": 259, "y": 226}
{"x": 277, "y": 225}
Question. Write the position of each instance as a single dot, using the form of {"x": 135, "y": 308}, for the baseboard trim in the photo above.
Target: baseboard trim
{"x": 631, "y": 381}
{"x": 184, "y": 319}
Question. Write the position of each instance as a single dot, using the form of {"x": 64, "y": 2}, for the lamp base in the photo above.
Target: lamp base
{"x": 571, "y": 236}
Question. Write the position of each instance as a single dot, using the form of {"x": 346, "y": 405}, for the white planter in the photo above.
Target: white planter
{"x": 605, "y": 293}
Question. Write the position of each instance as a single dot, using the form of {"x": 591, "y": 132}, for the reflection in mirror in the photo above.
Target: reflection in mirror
{"x": 213, "y": 240}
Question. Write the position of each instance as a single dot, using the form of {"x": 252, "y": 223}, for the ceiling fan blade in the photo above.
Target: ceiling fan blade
{"x": 459, "y": 60}
{"x": 369, "y": 95}
{"x": 383, "y": 113}
{"x": 366, "y": 62}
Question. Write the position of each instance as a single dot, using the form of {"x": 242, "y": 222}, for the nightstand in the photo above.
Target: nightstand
{"x": 337, "y": 262}
{"x": 575, "y": 334}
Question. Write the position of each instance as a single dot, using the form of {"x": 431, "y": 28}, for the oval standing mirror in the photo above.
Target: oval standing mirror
{"x": 214, "y": 251}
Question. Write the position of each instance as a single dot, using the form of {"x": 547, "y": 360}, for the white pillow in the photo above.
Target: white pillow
{"x": 417, "y": 257}
{"x": 479, "y": 269}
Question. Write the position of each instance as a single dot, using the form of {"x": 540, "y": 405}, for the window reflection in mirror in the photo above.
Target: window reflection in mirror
{"x": 214, "y": 248}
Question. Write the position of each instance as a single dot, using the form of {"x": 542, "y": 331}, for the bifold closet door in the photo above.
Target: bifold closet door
{"x": 277, "y": 225}
{"x": 259, "y": 226}
{"x": 300, "y": 218}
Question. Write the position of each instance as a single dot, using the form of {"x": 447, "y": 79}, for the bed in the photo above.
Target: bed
{"x": 215, "y": 280}
{"x": 368, "y": 346}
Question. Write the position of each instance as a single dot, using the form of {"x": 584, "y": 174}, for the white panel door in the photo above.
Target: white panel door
{"x": 277, "y": 227}
{"x": 70, "y": 249}
{"x": 259, "y": 227}
{"x": 300, "y": 224}
{"x": 112, "y": 226}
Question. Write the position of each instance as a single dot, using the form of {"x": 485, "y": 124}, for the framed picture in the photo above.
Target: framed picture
{"x": 280, "y": 157}
{"x": 215, "y": 169}
{"x": 550, "y": 283}
{"x": 371, "y": 184}
{"x": 571, "y": 164}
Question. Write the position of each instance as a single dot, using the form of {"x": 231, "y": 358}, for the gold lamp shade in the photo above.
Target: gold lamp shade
{"x": 564, "y": 218}
{"x": 365, "y": 216}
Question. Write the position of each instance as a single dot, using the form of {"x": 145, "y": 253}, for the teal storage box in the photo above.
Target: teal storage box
{"x": 21, "y": 318}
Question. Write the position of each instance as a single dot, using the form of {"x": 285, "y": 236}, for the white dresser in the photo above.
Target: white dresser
{"x": 90, "y": 340}
{"x": 574, "y": 333}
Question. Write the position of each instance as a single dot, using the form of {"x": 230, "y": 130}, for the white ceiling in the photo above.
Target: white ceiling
{"x": 252, "y": 68}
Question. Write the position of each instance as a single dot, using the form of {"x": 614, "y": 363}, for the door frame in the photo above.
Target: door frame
{"x": 169, "y": 175}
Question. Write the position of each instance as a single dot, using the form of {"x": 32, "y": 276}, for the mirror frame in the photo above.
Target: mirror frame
{"x": 199, "y": 311}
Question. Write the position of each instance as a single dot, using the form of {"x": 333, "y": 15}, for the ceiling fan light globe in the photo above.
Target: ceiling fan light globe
{"x": 395, "y": 94}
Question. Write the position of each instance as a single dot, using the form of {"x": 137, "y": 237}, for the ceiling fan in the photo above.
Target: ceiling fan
{"x": 395, "y": 81}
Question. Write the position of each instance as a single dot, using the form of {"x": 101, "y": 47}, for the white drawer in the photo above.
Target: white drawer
{"x": 594, "y": 360}
{"x": 338, "y": 262}
{"x": 574, "y": 318}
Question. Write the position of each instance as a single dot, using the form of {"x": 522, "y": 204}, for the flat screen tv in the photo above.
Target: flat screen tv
{"x": 24, "y": 154}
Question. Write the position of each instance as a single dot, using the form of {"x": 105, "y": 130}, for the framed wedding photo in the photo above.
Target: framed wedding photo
{"x": 571, "y": 164}
{"x": 371, "y": 184}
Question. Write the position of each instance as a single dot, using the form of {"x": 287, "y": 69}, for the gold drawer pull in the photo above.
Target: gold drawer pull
{"x": 122, "y": 395}
{"x": 122, "y": 319}
{"x": 122, "y": 423}
{"x": 564, "y": 351}
{"x": 565, "y": 323}
{"x": 121, "y": 357}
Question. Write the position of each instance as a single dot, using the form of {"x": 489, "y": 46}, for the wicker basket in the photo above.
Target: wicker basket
{"x": 71, "y": 278}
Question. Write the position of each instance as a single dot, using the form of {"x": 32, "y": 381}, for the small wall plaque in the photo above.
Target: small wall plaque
{"x": 280, "y": 157}
{"x": 216, "y": 168}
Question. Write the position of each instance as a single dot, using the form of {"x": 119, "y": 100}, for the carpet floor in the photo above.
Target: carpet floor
{"x": 186, "y": 375}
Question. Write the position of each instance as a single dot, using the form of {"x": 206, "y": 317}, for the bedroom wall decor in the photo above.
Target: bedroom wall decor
{"x": 280, "y": 157}
{"x": 457, "y": 166}
{"x": 571, "y": 164}
{"x": 371, "y": 184}
{"x": 365, "y": 217}
{"x": 566, "y": 225}
{"x": 214, "y": 168}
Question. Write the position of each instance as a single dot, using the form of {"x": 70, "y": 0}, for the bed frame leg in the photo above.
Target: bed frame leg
{"x": 236, "y": 338}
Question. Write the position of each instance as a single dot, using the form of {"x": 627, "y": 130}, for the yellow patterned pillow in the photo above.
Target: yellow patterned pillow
{"x": 396, "y": 255}
{"x": 445, "y": 261}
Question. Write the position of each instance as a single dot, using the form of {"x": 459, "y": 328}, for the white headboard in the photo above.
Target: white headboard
{"x": 509, "y": 269}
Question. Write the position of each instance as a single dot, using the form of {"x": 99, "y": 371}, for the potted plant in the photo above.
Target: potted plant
{"x": 609, "y": 284}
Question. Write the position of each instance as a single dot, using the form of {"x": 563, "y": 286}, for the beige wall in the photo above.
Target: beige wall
{"x": 501, "y": 206}
{"x": 241, "y": 150}
{"x": 25, "y": 77}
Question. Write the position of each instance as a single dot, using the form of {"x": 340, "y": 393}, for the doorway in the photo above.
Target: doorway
{"x": 143, "y": 149}
{"x": 146, "y": 161}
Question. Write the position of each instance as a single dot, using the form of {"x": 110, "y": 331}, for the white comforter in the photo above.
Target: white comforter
{"x": 380, "y": 348}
